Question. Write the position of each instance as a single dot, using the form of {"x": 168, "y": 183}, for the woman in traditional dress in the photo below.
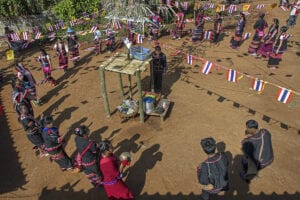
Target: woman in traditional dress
{"x": 238, "y": 35}
{"x": 217, "y": 27}
{"x": 97, "y": 42}
{"x": 266, "y": 48}
{"x": 199, "y": 26}
{"x": 62, "y": 52}
{"x": 259, "y": 26}
{"x": 279, "y": 48}
{"x": 46, "y": 65}
{"x": 179, "y": 25}
{"x": 73, "y": 45}
{"x": 112, "y": 182}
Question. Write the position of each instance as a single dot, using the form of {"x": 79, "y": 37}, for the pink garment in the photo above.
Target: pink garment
{"x": 115, "y": 188}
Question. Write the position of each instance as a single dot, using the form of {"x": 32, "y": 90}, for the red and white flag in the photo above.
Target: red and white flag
{"x": 232, "y": 75}
{"x": 260, "y": 6}
{"x": 207, "y": 67}
{"x": 284, "y": 95}
{"x": 25, "y": 35}
{"x": 117, "y": 25}
{"x": 139, "y": 39}
{"x": 232, "y": 8}
{"x": 93, "y": 29}
{"x": 258, "y": 85}
{"x": 38, "y": 35}
{"x": 189, "y": 59}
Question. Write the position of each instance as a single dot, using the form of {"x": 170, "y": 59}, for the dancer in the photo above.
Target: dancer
{"x": 46, "y": 65}
{"x": 266, "y": 48}
{"x": 259, "y": 26}
{"x": 62, "y": 52}
{"x": 295, "y": 9}
{"x": 239, "y": 30}
{"x": 73, "y": 45}
{"x": 154, "y": 26}
{"x": 199, "y": 26}
{"x": 279, "y": 48}
{"x": 179, "y": 25}
{"x": 213, "y": 172}
{"x": 217, "y": 27}
{"x": 97, "y": 42}
{"x": 110, "y": 39}
{"x": 87, "y": 155}
{"x": 257, "y": 149}
{"x": 112, "y": 182}
{"x": 53, "y": 145}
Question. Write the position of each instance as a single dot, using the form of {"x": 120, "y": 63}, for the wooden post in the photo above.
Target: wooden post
{"x": 151, "y": 77}
{"x": 103, "y": 90}
{"x": 130, "y": 86}
{"x": 140, "y": 96}
{"x": 121, "y": 85}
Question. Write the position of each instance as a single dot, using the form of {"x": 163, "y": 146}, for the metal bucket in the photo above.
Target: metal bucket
{"x": 148, "y": 105}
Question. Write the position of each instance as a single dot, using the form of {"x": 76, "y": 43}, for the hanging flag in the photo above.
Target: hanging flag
{"x": 56, "y": 26}
{"x": 38, "y": 35}
{"x": 15, "y": 37}
{"x": 185, "y": 5}
{"x": 117, "y": 25}
{"x": 25, "y": 35}
{"x": 207, "y": 67}
{"x": 232, "y": 75}
{"x": 258, "y": 85}
{"x": 176, "y": 4}
{"x": 10, "y": 55}
{"x": 189, "y": 59}
{"x": 25, "y": 45}
{"x": 93, "y": 29}
{"x": 50, "y": 28}
{"x": 246, "y": 36}
{"x": 246, "y": 7}
{"x": 220, "y": 7}
{"x": 72, "y": 23}
{"x": 208, "y": 35}
{"x": 139, "y": 39}
{"x": 232, "y": 8}
{"x": 284, "y": 95}
{"x": 211, "y": 5}
{"x": 61, "y": 24}
{"x": 260, "y": 6}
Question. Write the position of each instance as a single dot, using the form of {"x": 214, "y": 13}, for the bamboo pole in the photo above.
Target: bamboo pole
{"x": 103, "y": 90}
{"x": 140, "y": 96}
{"x": 151, "y": 77}
{"x": 130, "y": 86}
{"x": 121, "y": 85}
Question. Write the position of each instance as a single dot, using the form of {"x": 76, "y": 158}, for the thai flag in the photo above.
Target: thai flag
{"x": 84, "y": 15}
{"x": 260, "y": 6}
{"x": 258, "y": 85}
{"x": 56, "y": 26}
{"x": 15, "y": 37}
{"x": 232, "y": 8}
{"x": 61, "y": 23}
{"x": 72, "y": 23}
{"x": 284, "y": 8}
{"x": 93, "y": 29}
{"x": 207, "y": 67}
{"x": 232, "y": 75}
{"x": 25, "y": 35}
{"x": 185, "y": 5}
{"x": 211, "y": 5}
{"x": 50, "y": 28}
{"x": 208, "y": 35}
{"x": 25, "y": 45}
{"x": 139, "y": 39}
{"x": 38, "y": 35}
{"x": 176, "y": 4}
{"x": 118, "y": 25}
{"x": 284, "y": 95}
{"x": 189, "y": 59}
{"x": 246, "y": 36}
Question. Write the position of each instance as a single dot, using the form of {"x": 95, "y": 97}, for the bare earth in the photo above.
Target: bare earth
{"x": 165, "y": 154}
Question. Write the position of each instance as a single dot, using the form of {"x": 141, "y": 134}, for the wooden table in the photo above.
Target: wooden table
{"x": 163, "y": 103}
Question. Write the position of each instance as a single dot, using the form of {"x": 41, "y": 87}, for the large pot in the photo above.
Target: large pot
{"x": 148, "y": 105}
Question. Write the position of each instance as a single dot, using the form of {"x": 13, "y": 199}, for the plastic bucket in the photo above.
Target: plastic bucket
{"x": 148, "y": 105}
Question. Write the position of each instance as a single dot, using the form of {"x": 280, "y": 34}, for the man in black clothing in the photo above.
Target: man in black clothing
{"x": 87, "y": 155}
{"x": 257, "y": 149}
{"x": 53, "y": 146}
{"x": 213, "y": 172}
{"x": 158, "y": 68}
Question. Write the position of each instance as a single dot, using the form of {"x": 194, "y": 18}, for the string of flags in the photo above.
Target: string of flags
{"x": 283, "y": 95}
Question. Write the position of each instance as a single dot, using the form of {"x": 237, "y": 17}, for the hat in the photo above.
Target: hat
{"x": 80, "y": 131}
{"x": 283, "y": 29}
{"x": 252, "y": 124}
{"x": 208, "y": 145}
{"x": 261, "y": 14}
{"x": 70, "y": 30}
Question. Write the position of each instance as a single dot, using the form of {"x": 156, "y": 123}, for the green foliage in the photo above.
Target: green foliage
{"x": 66, "y": 9}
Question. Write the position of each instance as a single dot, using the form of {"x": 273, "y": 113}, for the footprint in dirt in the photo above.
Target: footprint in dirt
{"x": 228, "y": 58}
{"x": 245, "y": 54}
{"x": 298, "y": 54}
{"x": 240, "y": 56}
{"x": 272, "y": 74}
{"x": 289, "y": 75}
{"x": 219, "y": 60}
{"x": 220, "y": 73}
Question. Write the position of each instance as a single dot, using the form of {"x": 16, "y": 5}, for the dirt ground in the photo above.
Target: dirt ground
{"x": 165, "y": 154}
